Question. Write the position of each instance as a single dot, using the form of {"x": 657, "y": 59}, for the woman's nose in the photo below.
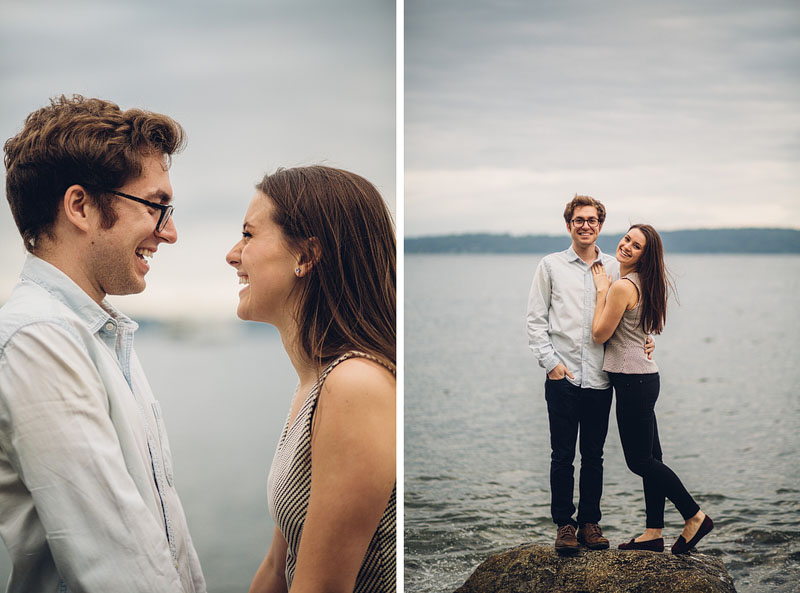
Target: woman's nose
{"x": 233, "y": 255}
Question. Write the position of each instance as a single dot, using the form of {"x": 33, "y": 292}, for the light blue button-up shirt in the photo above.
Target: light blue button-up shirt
{"x": 560, "y": 312}
{"x": 87, "y": 497}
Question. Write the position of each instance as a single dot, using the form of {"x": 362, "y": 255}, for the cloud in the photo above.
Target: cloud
{"x": 523, "y": 201}
{"x": 676, "y": 101}
{"x": 257, "y": 85}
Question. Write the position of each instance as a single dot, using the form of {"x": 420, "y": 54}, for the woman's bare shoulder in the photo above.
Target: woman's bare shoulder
{"x": 625, "y": 285}
{"x": 357, "y": 392}
{"x": 623, "y": 288}
{"x": 358, "y": 378}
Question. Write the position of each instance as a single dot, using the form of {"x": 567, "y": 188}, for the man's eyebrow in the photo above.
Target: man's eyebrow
{"x": 159, "y": 196}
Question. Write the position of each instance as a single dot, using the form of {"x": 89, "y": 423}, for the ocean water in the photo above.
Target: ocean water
{"x": 476, "y": 432}
{"x": 225, "y": 393}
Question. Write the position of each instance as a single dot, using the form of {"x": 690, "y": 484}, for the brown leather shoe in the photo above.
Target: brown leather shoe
{"x": 591, "y": 536}
{"x": 566, "y": 542}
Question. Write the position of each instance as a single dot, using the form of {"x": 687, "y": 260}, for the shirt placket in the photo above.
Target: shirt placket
{"x": 123, "y": 349}
{"x": 588, "y": 314}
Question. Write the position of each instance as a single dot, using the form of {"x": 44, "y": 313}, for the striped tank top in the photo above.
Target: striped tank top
{"x": 625, "y": 349}
{"x": 289, "y": 489}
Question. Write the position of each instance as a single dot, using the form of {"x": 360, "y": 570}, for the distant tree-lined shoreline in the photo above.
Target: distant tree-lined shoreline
{"x": 749, "y": 240}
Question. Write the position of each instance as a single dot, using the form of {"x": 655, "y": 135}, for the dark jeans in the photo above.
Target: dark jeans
{"x": 638, "y": 432}
{"x": 569, "y": 409}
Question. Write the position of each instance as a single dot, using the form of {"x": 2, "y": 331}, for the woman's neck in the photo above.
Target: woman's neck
{"x": 624, "y": 270}
{"x": 304, "y": 367}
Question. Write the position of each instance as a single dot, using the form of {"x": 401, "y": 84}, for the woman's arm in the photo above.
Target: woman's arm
{"x": 271, "y": 575}
{"x": 352, "y": 475}
{"x": 612, "y": 301}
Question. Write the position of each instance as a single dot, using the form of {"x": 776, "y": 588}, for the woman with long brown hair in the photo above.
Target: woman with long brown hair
{"x": 317, "y": 258}
{"x": 626, "y": 312}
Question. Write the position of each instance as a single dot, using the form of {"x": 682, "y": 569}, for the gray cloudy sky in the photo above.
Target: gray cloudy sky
{"x": 257, "y": 85}
{"x": 683, "y": 114}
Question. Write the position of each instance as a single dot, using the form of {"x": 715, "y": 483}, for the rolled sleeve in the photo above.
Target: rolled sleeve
{"x": 59, "y": 438}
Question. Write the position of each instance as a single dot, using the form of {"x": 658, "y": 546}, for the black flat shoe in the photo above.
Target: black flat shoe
{"x": 681, "y": 546}
{"x": 652, "y": 545}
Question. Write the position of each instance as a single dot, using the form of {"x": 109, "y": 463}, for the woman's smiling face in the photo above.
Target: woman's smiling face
{"x": 630, "y": 248}
{"x": 265, "y": 265}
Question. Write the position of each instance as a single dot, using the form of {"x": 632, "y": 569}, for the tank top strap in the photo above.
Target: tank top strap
{"x": 353, "y": 354}
{"x": 317, "y": 389}
{"x": 634, "y": 279}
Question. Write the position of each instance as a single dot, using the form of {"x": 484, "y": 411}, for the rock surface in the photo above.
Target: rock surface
{"x": 532, "y": 568}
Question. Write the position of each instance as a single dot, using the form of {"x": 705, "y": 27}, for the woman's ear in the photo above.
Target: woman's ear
{"x": 311, "y": 254}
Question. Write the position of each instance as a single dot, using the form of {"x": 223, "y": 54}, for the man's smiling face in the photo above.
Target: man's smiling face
{"x": 117, "y": 262}
{"x": 584, "y": 235}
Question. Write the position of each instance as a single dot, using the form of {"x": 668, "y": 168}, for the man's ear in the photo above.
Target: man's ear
{"x": 78, "y": 208}
{"x": 311, "y": 254}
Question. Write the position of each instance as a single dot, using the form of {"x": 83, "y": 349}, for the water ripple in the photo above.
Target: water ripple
{"x": 477, "y": 457}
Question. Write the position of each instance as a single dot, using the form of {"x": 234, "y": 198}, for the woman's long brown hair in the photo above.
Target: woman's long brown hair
{"x": 338, "y": 221}
{"x": 655, "y": 281}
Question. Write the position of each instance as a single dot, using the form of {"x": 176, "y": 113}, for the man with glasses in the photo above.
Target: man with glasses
{"x": 578, "y": 393}
{"x": 87, "y": 498}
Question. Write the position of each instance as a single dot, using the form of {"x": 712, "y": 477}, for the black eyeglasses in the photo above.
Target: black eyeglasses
{"x": 166, "y": 210}
{"x": 579, "y": 222}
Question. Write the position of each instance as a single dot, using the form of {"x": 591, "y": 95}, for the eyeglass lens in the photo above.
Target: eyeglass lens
{"x": 581, "y": 221}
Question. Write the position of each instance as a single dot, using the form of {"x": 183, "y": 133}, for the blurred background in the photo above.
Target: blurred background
{"x": 257, "y": 85}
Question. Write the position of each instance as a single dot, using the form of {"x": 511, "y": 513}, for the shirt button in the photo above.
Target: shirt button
{"x": 109, "y": 327}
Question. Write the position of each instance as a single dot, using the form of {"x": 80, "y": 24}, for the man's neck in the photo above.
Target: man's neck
{"x": 67, "y": 261}
{"x": 588, "y": 254}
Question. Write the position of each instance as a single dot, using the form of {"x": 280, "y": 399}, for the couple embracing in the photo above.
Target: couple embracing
{"x": 590, "y": 317}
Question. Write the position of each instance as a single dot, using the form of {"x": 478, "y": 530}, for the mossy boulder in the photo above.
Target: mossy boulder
{"x": 532, "y": 568}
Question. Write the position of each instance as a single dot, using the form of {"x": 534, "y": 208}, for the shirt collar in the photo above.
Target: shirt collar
{"x": 572, "y": 256}
{"x": 63, "y": 288}
{"x": 600, "y": 255}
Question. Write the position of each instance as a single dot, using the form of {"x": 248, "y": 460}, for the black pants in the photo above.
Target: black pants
{"x": 638, "y": 432}
{"x": 569, "y": 409}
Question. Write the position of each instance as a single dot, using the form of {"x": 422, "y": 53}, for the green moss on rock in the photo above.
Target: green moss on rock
{"x": 532, "y": 568}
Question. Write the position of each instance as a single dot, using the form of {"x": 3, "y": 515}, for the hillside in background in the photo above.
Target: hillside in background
{"x": 688, "y": 241}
